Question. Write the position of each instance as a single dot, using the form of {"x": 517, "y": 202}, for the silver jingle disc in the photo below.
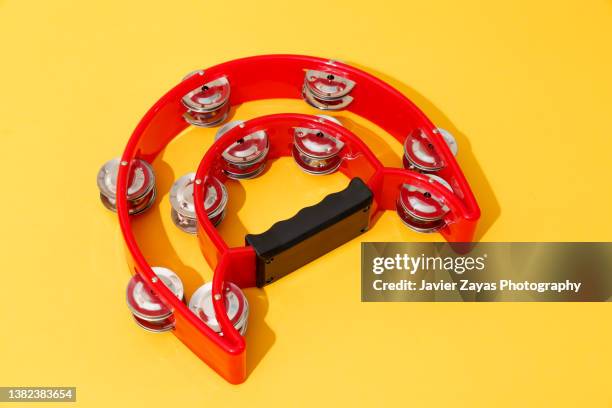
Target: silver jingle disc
{"x": 242, "y": 324}
{"x": 325, "y": 105}
{"x": 227, "y": 127}
{"x": 450, "y": 140}
{"x": 209, "y": 97}
{"x": 183, "y": 204}
{"x": 316, "y": 144}
{"x": 216, "y": 198}
{"x": 315, "y": 166}
{"x": 247, "y": 150}
{"x": 141, "y": 183}
{"x": 327, "y": 86}
{"x": 243, "y": 329}
{"x": 201, "y": 304}
{"x": 185, "y": 224}
{"x": 441, "y": 181}
{"x": 181, "y": 196}
{"x": 331, "y": 119}
{"x": 192, "y": 73}
{"x": 420, "y": 204}
{"x": 144, "y": 303}
{"x": 245, "y": 158}
{"x": 422, "y": 226}
{"x": 136, "y": 207}
{"x": 206, "y": 120}
{"x": 257, "y": 170}
{"x": 171, "y": 280}
{"x": 162, "y": 326}
{"x": 216, "y": 220}
{"x": 419, "y": 153}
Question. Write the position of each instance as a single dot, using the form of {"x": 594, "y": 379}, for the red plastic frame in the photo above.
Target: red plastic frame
{"x": 280, "y": 76}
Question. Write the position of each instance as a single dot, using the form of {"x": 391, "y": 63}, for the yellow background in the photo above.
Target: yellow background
{"x": 525, "y": 86}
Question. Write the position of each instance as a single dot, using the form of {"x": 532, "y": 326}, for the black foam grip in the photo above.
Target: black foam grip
{"x": 312, "y": 232}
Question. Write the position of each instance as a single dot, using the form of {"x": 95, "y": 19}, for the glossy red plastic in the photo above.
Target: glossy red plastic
{"x": 280, "y": 76}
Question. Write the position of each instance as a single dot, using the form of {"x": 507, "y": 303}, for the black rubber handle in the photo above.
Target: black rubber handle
{"x": 312, "y": 232}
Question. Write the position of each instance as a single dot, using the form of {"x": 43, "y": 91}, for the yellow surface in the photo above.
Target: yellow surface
{"x": 526, "y": 87}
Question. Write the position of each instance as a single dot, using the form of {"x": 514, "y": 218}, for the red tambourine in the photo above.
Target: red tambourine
{"x": 431, "y": 195}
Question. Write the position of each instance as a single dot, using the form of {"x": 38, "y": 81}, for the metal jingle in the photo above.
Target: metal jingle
{"x": 236, "y": 305}
{"x": 232, "y": 291}
{"x": 207, "y": 119}
{"x": 242, "y": 324}
{"x": 316, "y": 144}
{"x": 142, "y": 178}
{"x": 419, "y": 209}
{"x": 419, "y": 225}
{"x": 450, "y": 140}
{"x": 331, "y": 119}
{"x": 316, "y": 166}
{"x": 142, "y": 300}
{"x": 245, "y": 158}
{"x": 141, "y": 190}
{"x": 243, "y": 330}
{"x": 323, "y": 104}
{"x": 162, "y": 326}
{"x": 215, "y": 200}
{"x": 216, "y": 220}
{"x": 316, "y": 152}
{"x": 190, "y": 225}
{"x": 409, "y": 166}
{"x": 420, "y": 154}
{"x": 135, "y": 207}
{"x": 247, "y": 150}
{"x": 193, "y": 73}
{"x": 209, "y": 97}
{"x": 185, "y": 224}
{"x": 244, "y": 173}
{"x": 227, "y": 127}
{"x": 327, "y": 86}
{"x": 182, "y": 203}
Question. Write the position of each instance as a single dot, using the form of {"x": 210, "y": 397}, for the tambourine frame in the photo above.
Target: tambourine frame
{"x": 267, "y": 77}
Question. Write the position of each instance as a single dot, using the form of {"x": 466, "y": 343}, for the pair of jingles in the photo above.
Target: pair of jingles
{"x": 431, "y": 194}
